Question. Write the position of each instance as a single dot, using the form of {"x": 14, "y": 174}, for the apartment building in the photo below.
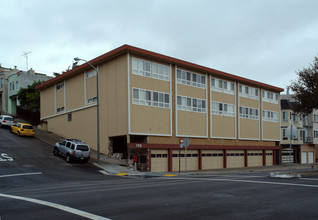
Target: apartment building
{"x": 310, "y": 124}
{"x": 302, "y": 148}
{"x": 149, "y": 101}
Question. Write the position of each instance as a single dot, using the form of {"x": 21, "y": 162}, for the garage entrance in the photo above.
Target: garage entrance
{"x": 118, "y": 145}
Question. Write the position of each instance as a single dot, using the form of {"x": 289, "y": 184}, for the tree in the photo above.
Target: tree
{"x": 30, "y": 97}
{"x": 305, "y": 89}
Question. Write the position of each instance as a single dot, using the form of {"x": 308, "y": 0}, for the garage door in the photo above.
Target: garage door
{"x": 269, "y": 158}
{"x": 235, "y": 158}
{"x": 310, "y": 157}
{"x": 212, "y": 159}
{"x": 255, "y": 158}
{"x": 159, "y": 160}
{"x": 303, "y": 157}
{"x": 192, "y": 160}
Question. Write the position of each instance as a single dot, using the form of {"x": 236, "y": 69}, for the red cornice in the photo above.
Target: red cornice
{"x": 156, "y": 56}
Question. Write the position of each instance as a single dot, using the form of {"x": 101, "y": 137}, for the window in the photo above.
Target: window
{"x": 198, "y": 105}
{"x": 150, "y": 69}
{"x": 183, "y": 77}
{"x": 69, "y": 117}
{"x": 59, "y": 86}
{"x": 248, "y": 92}
{"x": 284, "y": 134}
{"x": 250, "y": 113}
{"x": 198, "y": 80}
{"x": 315, "y": 118}
{"x": 315, "y": 134}
{"x": 91, "y": 74}
{"x": 184, "y": 103}
{"x": 191, "y": 79}
{"x": 285, "y": 116}
{"x": 17, "y": 85}
{"x": 270, "y": 116}
{"x": 12, "y": 85}
{"x": 223, "y": 109}
{"x": 161, "y": 100}
{"x": 1, "y": 82}
{"x": 160, "y": 72}
{"x": 222, "y": 86}
{"x": 60, "y": 109}
{"x": 141, "y": 97}
{"x": 92, "y": 100}
{"x": 295, "y": 118}
{"x": 270, "y": 97}
{"x": 141, "y": 67}
{"x": 301, "y": 132}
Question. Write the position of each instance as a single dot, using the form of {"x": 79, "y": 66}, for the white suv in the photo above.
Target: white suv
{"x": 73, "y": 149}
{"x": 6, "y": 120}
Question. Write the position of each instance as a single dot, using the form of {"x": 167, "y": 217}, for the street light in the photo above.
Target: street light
{"x": 97, "y": 97}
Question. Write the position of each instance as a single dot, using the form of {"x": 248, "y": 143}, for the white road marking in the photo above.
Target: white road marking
{"x": 235, "y": 176}
{"x": 20, "y": 174}
{"x": 104, "y": 172}
{"x": 56, "y": 206}
{"x": 309, "y": 179}
{"x": 247, "y": 181}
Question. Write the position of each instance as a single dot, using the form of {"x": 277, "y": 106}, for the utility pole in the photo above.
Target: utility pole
{"x": 25, "y": 54}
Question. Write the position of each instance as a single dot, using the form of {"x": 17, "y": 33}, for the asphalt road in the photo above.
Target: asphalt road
{"x": 37, "y": 185}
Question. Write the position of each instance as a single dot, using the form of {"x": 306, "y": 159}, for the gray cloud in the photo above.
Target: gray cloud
{"x": 262, "y": 40}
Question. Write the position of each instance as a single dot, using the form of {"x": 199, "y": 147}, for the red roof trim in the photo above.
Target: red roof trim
{"x": 138, "y": 51}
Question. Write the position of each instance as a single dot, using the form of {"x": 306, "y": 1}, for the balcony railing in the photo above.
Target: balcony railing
{"x": 309, "y": 140}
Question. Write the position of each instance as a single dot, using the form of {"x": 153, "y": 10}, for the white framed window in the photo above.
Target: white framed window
{"x": 224, "y": 86}
{"x": 270, "y": 116}
{"x": 17, "y": 85}
{"x": 247, "y": 112}
{"x": 60, "y": 86}
{"x": 285, "y": 116}
{"x": 60, "y": 109}
{"x": 198, "y": 105}
{"x": 218, "y": 108}
{"x": 269, "y": 97}
{"x": 92, "y": 100}
{"x": 160, "y": 71}
{"x": 184, "y": 77}
{"x": 184, "y": 103}
{"x": 161, "y": 100}
{"x": 90, "y": 74}
{"x": 315, "y": 134}
{"x": 198, "y": 80}
{"x": 141, "y": 97}
{"x": 248, "y": 92}
{"x": 141, "y": 67}
{"x": 315, "y": 118}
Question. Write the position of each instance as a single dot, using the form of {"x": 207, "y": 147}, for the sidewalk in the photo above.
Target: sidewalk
{"x": 112, "y": 166}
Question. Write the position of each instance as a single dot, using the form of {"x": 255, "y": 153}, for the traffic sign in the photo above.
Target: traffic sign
{"x": 186, "y": 142}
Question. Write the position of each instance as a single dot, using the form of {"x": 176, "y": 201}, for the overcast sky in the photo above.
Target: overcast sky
{"x": 263, "y": 40}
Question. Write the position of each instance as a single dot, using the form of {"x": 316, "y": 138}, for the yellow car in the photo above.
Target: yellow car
{"x": 22, "y": 129}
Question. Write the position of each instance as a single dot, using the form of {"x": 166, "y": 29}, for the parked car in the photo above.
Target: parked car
{"x": 73, "y": 149}
{"x": 6, "y": 120}
{"x": 22, "y": 129}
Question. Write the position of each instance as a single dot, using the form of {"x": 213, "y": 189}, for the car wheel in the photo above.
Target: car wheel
{"x": 68, "y": 158}
{"x": 56, "y": 151}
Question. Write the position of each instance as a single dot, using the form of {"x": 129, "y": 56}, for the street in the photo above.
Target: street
{"x": 34, "y": 184}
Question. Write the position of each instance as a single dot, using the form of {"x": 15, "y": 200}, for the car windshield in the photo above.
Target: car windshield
{"x": 9, "y": 118}
{"x": 27, "y": 127}
{"x": 82, "y": 147}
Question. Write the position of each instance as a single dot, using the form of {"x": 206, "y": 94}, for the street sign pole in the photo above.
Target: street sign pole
{"x": 180, "y": 146}
{"x": 186, "y": 143}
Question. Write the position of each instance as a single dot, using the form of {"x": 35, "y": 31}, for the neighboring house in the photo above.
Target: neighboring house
{"x": 300, "y": 152}
{"x": 310, "y": 124}
{"x": 4, "y": 74}
{"x": 21, "y": 79}
{"x": 149, "y": 101}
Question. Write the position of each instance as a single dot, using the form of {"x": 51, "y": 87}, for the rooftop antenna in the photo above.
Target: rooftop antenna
{"x": 25, "y": 54}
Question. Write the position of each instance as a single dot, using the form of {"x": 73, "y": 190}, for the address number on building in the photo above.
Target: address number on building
{"x": 139, "y": 145}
